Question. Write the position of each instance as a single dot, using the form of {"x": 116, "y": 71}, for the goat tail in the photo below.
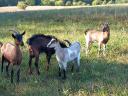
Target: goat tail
{"x": 1, "y": 44}
{"x": 68, "y": 42}
{"x": 85, "y": 32}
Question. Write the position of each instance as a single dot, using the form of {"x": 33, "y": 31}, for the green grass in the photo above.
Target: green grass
{"x": 98, "y": 76}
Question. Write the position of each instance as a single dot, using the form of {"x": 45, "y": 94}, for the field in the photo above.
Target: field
{"x": 98, "y": 76}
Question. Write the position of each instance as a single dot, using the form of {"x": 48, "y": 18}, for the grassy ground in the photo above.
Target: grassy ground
{"x": 98, "y": 76}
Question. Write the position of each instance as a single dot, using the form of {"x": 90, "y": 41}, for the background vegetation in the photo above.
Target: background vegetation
{"x": 61, "y": 2}
{"x": 98, "y": 76}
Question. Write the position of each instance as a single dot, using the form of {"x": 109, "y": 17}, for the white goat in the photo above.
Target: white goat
{"x": 64, "y": 55}
{"x": 101, "y": 37}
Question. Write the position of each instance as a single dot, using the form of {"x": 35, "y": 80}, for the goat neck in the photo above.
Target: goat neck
{"x": 58, "y": 47}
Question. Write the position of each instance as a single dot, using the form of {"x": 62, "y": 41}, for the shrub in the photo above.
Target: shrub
{"x": 81, "y": 3}
{"x": 30, "y": 2}
{"x": 21, "y": 5}
{"x": 121, "y": 1}
{"x": 45, "y": 2}
{"x": 97, "y": 2}
{"x": 68, "y": 3}
{"x": 104, "y": 2}
{"x": 110, "y": 2}
{"x": 59, "y": 3}
{"x": 75, "y": 3}
{"x": 48, "y": 2}
{"x": 52, "y": 3}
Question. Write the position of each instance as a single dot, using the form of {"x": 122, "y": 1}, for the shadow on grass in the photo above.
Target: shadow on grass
{"x": 100, "y": 74}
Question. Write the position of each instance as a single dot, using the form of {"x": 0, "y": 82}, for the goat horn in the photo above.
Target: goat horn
{"x": 13, "y": 30}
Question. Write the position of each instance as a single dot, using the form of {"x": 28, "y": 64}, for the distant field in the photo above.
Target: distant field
{"x": 98, "y": 76}
{"x": 37, "y": 8}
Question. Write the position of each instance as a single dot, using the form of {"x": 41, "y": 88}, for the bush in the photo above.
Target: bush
{"x": 21, "y": 5}
{"x": 97, "y": 2}
{"x": 59, "y": 3}
{"x": 30, "y": 2}
{"x": 68, "y": 3}
{"x": 104, "y": 2}
{"x": 110, "y": 2}
{"x": 75, "y": 3}
{"x": 81, "y": 3}
{"x": 45, "y": 2}
{"x": 121, "y": 1}
{"x": 52, "y": 3}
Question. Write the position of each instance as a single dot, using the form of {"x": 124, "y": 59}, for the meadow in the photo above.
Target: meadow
{"x": 98, "y": 76}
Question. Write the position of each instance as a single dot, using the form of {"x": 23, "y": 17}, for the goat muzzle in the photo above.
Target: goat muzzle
{"x": 22, "y": 43}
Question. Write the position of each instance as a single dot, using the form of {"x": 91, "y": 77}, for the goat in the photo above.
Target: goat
{"x": 64, "y": 55}
{"x": 101, "y": 37}
{"x": 12, "y": 54}
{"x": 38, "y": 44}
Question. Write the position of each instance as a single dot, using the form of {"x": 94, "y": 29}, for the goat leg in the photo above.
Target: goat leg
{"x": 78, "y": 63}
{"x": 87, "y": 47}
{"x": 104, "y": 49}
{"x": 59, "y": 72}
{"x": 64, "y": 71}
{"x": 72, "y": 68}
{"x": 12, "y": 73}
{"x": 48, "y": 56}
{"x": 74, "y": 61}
{"x": 99, "y": 49}
{"x": 37, "y": 69}
{"x": 30, "y": 63}
{"x": 7, "y": 66}
{"x": 2, "y": 63}
{"x": 36, "y": 65}
{"x": 18, "y": 75}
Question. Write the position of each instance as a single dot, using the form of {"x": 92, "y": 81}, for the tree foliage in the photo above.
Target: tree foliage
{"x": 60, "y": 2}
{"x": 8, "y": 2}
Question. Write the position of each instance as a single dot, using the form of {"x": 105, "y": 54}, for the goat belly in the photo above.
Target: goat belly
{"x": 12, "y": 53}
{"x": 72, "y": 56}
{"x": 9, "y": 58}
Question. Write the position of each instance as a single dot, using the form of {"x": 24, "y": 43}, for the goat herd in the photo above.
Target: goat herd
{"x": 50, "y": 45}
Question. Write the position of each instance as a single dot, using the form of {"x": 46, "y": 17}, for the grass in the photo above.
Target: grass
{"x": 98, "y": 76}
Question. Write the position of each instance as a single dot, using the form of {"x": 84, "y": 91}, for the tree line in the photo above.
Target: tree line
{"x": 61, "y": 2}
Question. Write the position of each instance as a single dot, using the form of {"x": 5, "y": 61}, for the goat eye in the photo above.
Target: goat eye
{"x": 54, "y": 42}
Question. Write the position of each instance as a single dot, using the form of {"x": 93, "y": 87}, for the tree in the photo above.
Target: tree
{"x": 37, "y": 2}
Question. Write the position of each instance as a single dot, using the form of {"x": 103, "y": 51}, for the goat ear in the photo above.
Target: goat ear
{"x": 13, "y": 36}
{"x": 23, "y": 33}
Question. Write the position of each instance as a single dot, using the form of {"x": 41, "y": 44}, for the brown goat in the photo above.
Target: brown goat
{"x": 101, "y": 37}
{"x": 12, "y": 54}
